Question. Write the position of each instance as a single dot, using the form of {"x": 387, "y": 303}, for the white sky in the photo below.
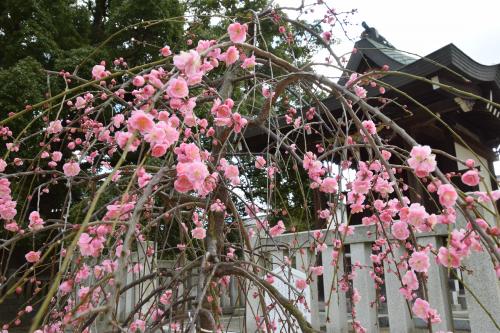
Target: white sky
{"x": 425, "y": 26}
{"x": 422, "y": 26}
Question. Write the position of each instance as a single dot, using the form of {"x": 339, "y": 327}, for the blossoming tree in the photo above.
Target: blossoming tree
{"x": 151, "y": 158}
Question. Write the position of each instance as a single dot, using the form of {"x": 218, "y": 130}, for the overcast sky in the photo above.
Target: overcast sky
{"x": 426, "y": 25}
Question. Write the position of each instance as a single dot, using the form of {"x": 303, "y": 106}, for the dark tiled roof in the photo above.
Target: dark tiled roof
{"x": 399, "y": 56}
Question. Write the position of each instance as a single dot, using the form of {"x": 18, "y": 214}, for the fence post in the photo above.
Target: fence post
{"x": 336, "y": 308}
{"x": 127, "y": 299}
{"x": 481, "y": 283}
{"x": 252, "y": 305}
{"x": 400, "y": 319}
{"x": 310, "y": 260}
{"x": 484, "y": 285}
{"x": 233, "y": 292}
{"x": 148, "y": 266}
{"x": 365, "y": 313}
{"x": 437, "y": 288}
{"x": 276, "y": 258}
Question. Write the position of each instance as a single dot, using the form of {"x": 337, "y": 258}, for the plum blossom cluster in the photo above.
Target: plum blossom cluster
{"x": 160, "y": 142}
{"x": 7, "y": 206}
{"x": 223, "y": 115}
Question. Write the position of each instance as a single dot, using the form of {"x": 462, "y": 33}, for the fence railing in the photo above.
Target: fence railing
{"x": 475, "y": 299}
{"x": 330, "y": 308}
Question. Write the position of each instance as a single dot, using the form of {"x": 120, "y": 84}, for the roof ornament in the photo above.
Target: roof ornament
{"x": 373, "y": 34}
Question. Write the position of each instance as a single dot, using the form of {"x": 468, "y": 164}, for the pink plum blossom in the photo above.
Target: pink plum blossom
{"x": 260, "y": 162}
{"x": 165, "y": 51}
{"x": 90, "y": 246}
{"x": 177, "y": 88}
{"x": 422, "y": 161}
{"x": 231, "y": 55}
{"x": 166, "y": 297}
{"x": 56, "y": 156}
{"x": 370, "y": 127}
{"x": 199, "y": 233}
{"x": 99, "y": 72}
{"x": 419, "y": 261}
{"x": 33, "y": 257}
{"x": 422, "y": 309}
{"x": 448, "y": 257}
{"x": 137, "y": 325}
{"x": 410, "y": 280}
{"x": 278, "y": 229}
{"x": 329, "y": 185}
{"x": 301, "y": 284}
{"x": 141, "y": 121}
{"x": 316, "y": 270}
{"x": 138, "y": 81}
{"x": 71, "y": 169}
{"x": 55, "y": 127}
{"x": 237, "y": 32}
{"x": 447, "y": 195}
{"x": 400, "y": 230}
{"x": 189, "y": 63}
{"x": 471, "y": 177}
{"x": 36, "y": 222}
{"x": 249, "y": 63}
{"x": 360, "y": 91}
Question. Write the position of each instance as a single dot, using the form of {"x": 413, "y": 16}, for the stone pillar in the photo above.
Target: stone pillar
{"x": 252, "y": 305}
{"x": 233, "y": 292}
{"x": 252, "y": 309}
{"x": 336, "y": 308}
{"x": 149, "y": 265}
{"x": 225, "y": 301}
{"x": 366, "y": 314}
{"x": 437, "y": 288}
{"x": 398, "y": 310}
{"x": 310, "y": 260}
{"x": 454, "y": 294}
{"x": 276, "y": 258}
{"x": 484, "y": 284}
{"x": 127, "y": 299}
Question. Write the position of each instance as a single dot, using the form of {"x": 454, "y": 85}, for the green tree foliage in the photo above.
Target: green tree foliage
{"x": 39, "y": 35}
{"x": 59, "y": 34}
{"x": 141, "y": 43}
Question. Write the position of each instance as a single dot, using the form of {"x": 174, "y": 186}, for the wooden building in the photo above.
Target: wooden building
{"x": 434, "y": 101}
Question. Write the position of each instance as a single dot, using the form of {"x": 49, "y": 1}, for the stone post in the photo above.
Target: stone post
{"x": 336, "y": 309}
{"x": 252, "y": 305}
{"x": 366, "y": 314}
{"x": 400, "y": 319}
{"x": 310, "y": 260}
{"x": 482, "y": 284}
{"x": 437, "y": 288}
